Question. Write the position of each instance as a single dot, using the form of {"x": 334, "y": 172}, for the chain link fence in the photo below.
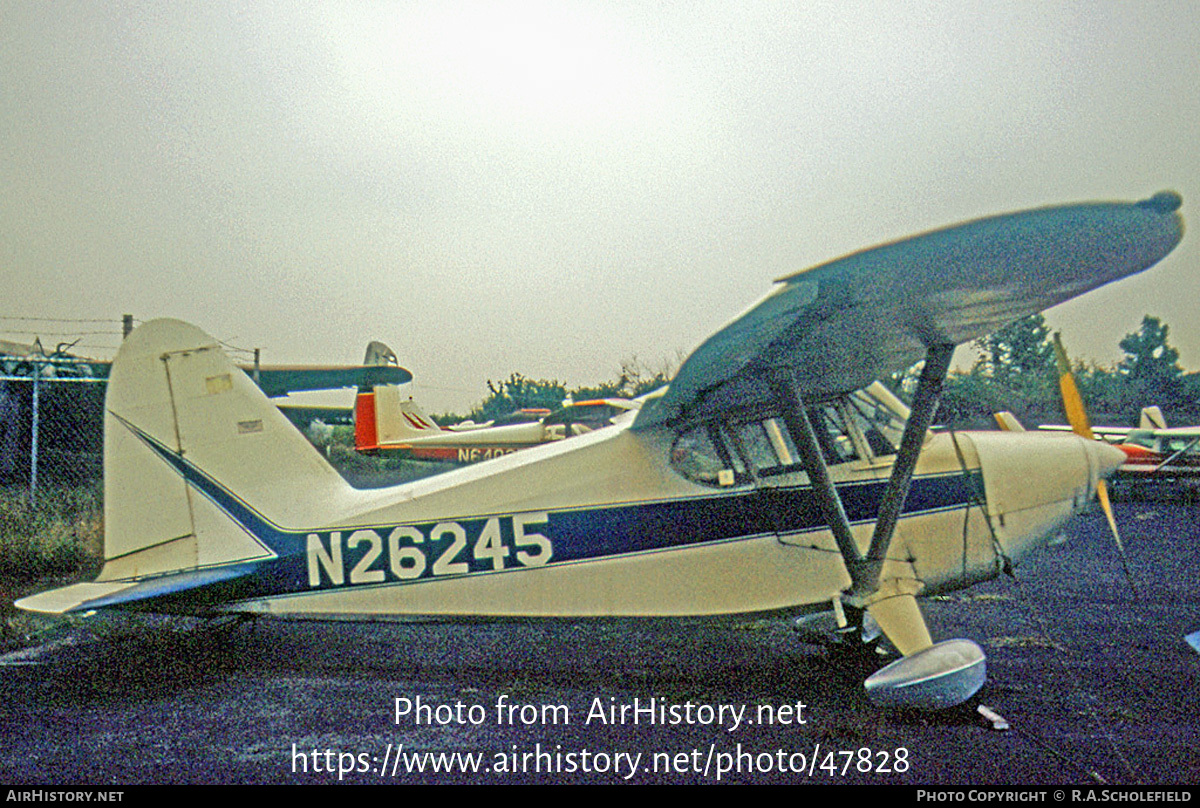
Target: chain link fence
{"x": 51, "y": 469}
{"x": 51, "y": 423}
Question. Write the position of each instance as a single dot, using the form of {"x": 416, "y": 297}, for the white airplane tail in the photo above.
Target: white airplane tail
{"x": 1008, "y": 422}
{"x": 190, "y": 446}
{"x": 1152, "y": 418}
{"x": 382, "y": 416}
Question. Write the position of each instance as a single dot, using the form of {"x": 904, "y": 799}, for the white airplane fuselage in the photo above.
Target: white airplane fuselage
{"x": 603, "y": 526}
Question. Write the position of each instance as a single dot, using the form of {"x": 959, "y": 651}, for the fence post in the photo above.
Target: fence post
{"x": 33, "y": 435}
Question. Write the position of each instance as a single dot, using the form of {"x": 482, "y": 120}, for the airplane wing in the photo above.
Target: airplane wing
{"x": 1109, "y": 434}
{"x": 843, "y": 324}
{"x": 304, "y": 414}
{"x": 281, "y": 380}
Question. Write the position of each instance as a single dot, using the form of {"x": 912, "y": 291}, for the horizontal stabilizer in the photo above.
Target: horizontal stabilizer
{"x": 85, "y": 597}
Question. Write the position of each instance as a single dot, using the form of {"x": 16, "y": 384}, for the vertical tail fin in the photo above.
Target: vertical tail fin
{"x": 191, "y": 446}
{"x": 381, "y": 416}
{"x": 1152, "y": 418}
{"x": 1008, "y": 422}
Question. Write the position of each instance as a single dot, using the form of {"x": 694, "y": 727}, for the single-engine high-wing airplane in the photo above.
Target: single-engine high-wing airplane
{"x": 1151, "y": 418}
{"x": 379, "y": 367}
{"x": 1161, "y": 453}
{"x": 764, "y": 480}
{"x": 387, "y": 423}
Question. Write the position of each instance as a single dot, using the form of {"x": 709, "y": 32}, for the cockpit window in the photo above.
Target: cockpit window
{"x": 728, "y": 453}
{"x": 757, "y": 446}
{"x": 697, "y": 458}
{"x": 880, "y": 426}
{"x": 1178, "y": 444}
{"x": 736, "y": 449}
{"x": 832, "y": 435}
{"x": 781, "y": 442}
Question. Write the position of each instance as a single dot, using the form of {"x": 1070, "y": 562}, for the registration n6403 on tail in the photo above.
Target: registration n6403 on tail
{"x": 770, "y": 477}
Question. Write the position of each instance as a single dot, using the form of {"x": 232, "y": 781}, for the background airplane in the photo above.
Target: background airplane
{"x": 75, "y": 412}
{"x": 1162, "y": 453}
{"x": 379, "y": 367}
{"x": 764, "y": 480}
{"x": 1153, "y": 451}
{"x": 1149, "y": 419}
{"x": 388, "y": 423}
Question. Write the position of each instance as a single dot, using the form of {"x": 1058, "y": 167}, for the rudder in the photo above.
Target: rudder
{"x": 178, "y": 411}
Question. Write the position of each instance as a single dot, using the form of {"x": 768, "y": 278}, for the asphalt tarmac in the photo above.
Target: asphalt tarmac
{"x": 1097, "y": 684}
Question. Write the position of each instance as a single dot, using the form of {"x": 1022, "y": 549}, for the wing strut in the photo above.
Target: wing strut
{"x": 795, "y": 417}
{"x": 930, "y": 675}
{"x": 1191, "y": 445}
{"x": 864, "y": 570}
{"x": 929, "y": 391}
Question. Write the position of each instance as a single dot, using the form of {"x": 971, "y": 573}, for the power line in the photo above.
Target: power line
{"x": 57, "y": 320}
{"x": 62, "y": 333}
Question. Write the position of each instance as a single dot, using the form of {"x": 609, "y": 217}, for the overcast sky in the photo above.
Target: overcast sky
{"x": 550, "y": 187}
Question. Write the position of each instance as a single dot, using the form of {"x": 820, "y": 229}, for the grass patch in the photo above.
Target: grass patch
{"x": 60, "y": 533}
{"x": 53, "y": 541}
{"x": 372, "y": 471}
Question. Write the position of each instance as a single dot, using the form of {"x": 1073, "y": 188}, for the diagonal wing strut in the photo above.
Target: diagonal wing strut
{"x": 864, "y": 570}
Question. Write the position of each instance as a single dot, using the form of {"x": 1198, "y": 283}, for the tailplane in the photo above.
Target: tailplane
{"x": 199, "y": 466}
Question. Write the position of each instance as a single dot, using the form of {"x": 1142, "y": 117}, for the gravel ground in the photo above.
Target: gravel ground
{"x": 1098, "y": 686}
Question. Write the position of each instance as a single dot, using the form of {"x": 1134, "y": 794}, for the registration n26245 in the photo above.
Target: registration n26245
{"x": 376, "y": 555}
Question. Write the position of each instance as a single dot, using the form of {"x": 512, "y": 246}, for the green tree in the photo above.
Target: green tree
{"x": 517, "y": 393}
{"x": 1150, "y": 371}
{"x": 1015, "y": 371}
{"x": 636, "y": 379}
{"x": 1020, "y": 358}
{"x": 1101, "y": 389}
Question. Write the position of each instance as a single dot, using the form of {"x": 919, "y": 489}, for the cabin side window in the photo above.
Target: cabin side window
{"x": 1172, "y": 445}
{"x": 832, "y": 436}
{"x": 880, "y": 427}
{"x": 739, "y": 451}
{"x": 699, "y": 456}
{"x": 758, "y": 445}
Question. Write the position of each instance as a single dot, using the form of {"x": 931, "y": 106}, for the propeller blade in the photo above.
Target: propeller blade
{"x": 1077, "y": 417}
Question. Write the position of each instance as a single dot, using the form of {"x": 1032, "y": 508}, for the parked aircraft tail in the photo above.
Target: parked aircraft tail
{"x": 1008, "y": 422}
{"x": 1152, "y": 418}
{"x": 382, "y": 416}
{"x": 184, "y": 430}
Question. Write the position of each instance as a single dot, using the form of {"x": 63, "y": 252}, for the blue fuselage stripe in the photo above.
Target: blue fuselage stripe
{"x": 585, "y": 534}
